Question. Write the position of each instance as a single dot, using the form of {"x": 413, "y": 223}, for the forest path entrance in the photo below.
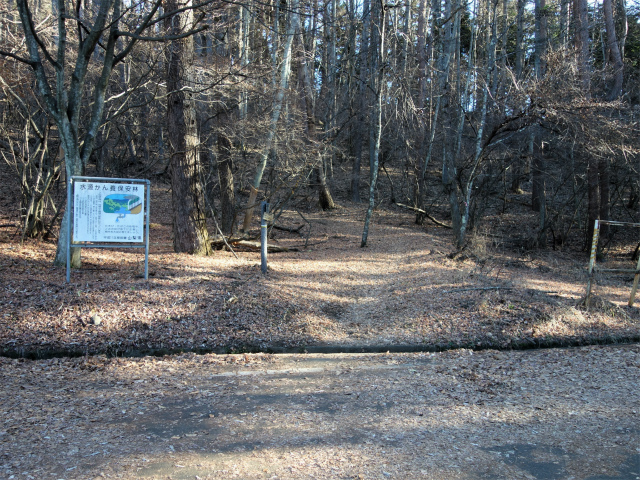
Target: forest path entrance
{"x": 403, "y": 292}
{"x": 363, "y": 296}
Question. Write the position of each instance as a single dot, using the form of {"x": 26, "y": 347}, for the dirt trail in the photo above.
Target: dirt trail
{"x": 403, "y": 289}
{"x": 543, "y": 414}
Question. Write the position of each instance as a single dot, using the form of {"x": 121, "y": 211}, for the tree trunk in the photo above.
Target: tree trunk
{"x": 564, "y": 23}
{"x": 517, "y": 172}
{"x": 407, "y": 39}
{"x": 614, "y": 57}
{"x": 377, "y": 77}
{"x": 421, "y": 46}
{"x": 539, "y": 195}
{"x": 518, "y": 164}
{"x": 227, "y": 194}
{"x": 593, "y": 191}
{"x": 581, "y": 42}
{"x": 355, "y": 169}
{"x": 541, "y": 38}
{"x": 461, "y": 226}
{"x": 332, "y": 83}
{"x": 603, "y": 184}
{"x": 190, "y": 233}
{"x": 73, "y": 167}
{"x": 244, "y": 52}
{"x": 362, "y": 99}
{"x": 538, "y": 173}
{"x": 324, "y": 194}
{"x": 520, "y": 39}
{"x": 440, "y": 91}
{"x": 622, "y": 25}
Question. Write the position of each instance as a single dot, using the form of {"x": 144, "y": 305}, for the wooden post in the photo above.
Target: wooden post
{"x": 635, "y": 284}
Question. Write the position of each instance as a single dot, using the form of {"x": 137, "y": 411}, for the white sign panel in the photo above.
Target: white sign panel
{"x": 108, "y": 212}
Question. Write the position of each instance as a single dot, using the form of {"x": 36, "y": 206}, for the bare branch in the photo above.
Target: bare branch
{"x": 4, "y": 53}
{"x": 165, "y": 38}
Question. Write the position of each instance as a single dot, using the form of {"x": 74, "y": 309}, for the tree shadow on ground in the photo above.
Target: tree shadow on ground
{"x": 198, "y": 415}
{"x": 385, "y": 296}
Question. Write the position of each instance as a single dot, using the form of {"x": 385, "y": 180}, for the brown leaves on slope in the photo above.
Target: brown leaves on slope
{"x": 401, "y": 290}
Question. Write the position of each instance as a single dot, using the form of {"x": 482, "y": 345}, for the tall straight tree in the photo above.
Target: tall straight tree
{"x": 421, "y": 97}
{"x": 443, "y": 104}
{"x": 225, "y": 177}
{"x": 281, "y": 88}
{"x": 564, "y": 23}
{"x": 244, "y": 54}
{"x": 447, "y": 50}
{"x": 448, "y": 32}
{"x": 190, "y": 233}
{"x": 621, "y": 24}
{"x": 541, "y": 33}
{"x": 581, "y": 43}
{"x": 538, "y": 200}
{"x": 362, "y": 101}
{"x": 613, "y": 54}
{"x": 614, "y": 60}
{"x": 324, "y": 194}
{"x": 518, "y": 166}
{"x": 377, "y": 83}
{"x": 330, "y": 86}
{"x": 460, "y": 218}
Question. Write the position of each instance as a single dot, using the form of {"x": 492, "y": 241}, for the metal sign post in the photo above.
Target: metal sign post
{"x": 108, "y": 213}
{"x": 264, "y": 224}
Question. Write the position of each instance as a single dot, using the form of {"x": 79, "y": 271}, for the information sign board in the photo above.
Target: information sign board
{"x": 108, "y": 212}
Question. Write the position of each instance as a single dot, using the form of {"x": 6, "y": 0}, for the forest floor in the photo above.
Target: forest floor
{"x": 403, "y": 291}
{"x": 501, "y": 411}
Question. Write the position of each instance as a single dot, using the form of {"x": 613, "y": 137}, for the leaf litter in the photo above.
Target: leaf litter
{"x": 403, "y": 289}
{"x": 343, "y": 416}
{"x": 451, "y": 415}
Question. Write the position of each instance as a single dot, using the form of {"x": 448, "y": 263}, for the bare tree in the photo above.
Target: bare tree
{"x": 538, "y": 165}
{"x": 362, "y": 98}
{"x": 377, "y": 85}
{"x": 61, "y": 82}
{"x": 227, "y": 191}
{"x": 29, "y": 145}
{"x": 581, "y": 42}
{"x": 324, "y": 194}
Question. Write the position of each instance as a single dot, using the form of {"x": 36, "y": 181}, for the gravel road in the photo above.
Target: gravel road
{"x": 538, "y": 414}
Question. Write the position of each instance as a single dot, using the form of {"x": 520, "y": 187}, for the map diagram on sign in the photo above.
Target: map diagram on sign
{"x": 122, "y": 205}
